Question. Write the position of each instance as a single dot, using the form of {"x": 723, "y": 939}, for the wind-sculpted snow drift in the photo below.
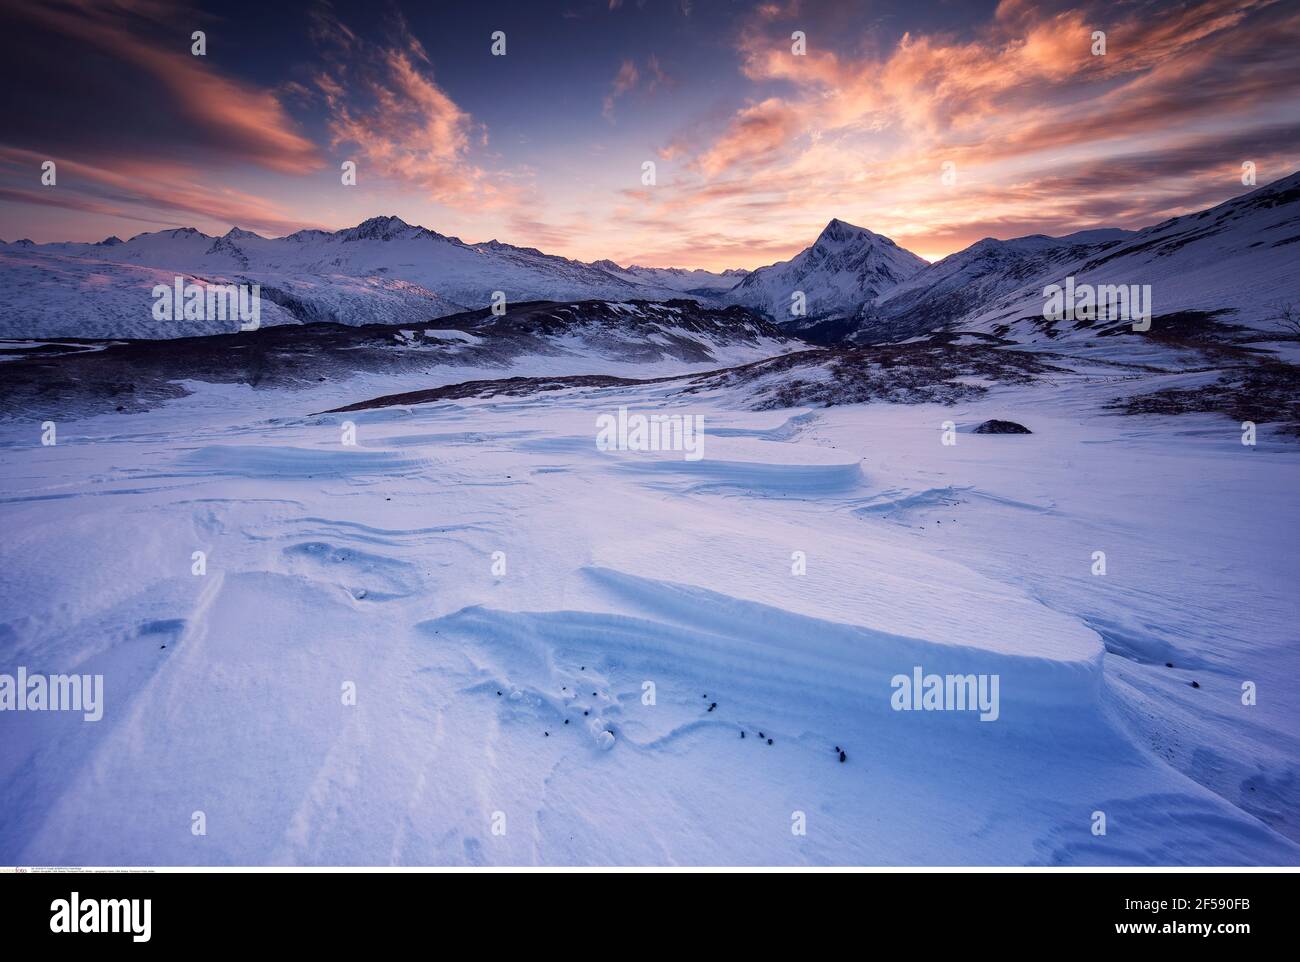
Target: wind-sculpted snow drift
{"x": 385, "y": 593}
{"x": 633, "y": 658}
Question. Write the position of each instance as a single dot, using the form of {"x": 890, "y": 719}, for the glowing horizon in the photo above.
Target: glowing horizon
{"x": 756, "y": 146}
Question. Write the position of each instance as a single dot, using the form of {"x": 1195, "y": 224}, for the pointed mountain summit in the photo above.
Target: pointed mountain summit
{"x": 846, "y": 268}
{"x": 376, "y": 228}
{"x": 238, "y": 233}
{"x": 839, "y": 232}
{"x": 170, "y": 235}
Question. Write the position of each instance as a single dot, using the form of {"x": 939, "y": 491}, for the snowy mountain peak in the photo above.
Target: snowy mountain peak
{"x": 111, "y": 241}
{"x": 226, "y": 245}
{"x": 503, "y": 247}
{"x": 174, "y": 233}
{"x": 236, "y": 233}
{"x": 305, "y": 236}
{"x": 846, "y": 268}
{"x": 376, "y": 228}
{"x": 839, "y": 233}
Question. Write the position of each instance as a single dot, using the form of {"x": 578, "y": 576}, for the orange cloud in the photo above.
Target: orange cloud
{"x": 754, "y": 135}
{"x": 629, "y": 77}
{"x": 250, "y": 122}
{"x": 404, "y": 126}
{"x": 862, "y": 135}
{"x": 624, "y": 81}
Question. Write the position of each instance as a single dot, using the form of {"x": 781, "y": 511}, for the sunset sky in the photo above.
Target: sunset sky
{"x": 756, "y": 148}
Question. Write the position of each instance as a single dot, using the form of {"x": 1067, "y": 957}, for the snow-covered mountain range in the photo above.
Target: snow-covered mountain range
{"x": 699, "y": 282}
{"x": 1237, "y": 258}
{"x": 950, "y": 289}
{"x": 381, "y": 271}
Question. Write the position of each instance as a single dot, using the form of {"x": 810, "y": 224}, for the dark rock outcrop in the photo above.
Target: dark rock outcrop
{"x": 1002, "y": 427}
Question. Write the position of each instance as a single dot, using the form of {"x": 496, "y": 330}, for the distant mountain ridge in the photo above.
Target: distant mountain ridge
{"x": 852, "y": 284}
{"x": 383, "y": 270}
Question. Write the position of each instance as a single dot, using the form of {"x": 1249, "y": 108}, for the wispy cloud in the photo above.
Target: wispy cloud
{"x": 624, "y": 80}
{"x": 241, "y": 120}
{"x": 629, "y": 78}
{"x": 386, "y": 108}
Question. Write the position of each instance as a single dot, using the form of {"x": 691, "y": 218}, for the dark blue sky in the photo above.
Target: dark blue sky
{"x": 755, "y": 145}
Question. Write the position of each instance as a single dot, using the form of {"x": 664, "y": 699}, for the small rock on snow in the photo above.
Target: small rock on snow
{"x": 1002, "y": 427}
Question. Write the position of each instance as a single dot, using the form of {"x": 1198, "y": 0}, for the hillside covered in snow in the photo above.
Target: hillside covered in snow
{"x": 1239, "y": 260}
{"x": 382, "y": 271}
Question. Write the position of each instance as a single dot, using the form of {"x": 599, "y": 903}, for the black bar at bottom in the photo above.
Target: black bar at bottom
{"x": 332, "y": 911}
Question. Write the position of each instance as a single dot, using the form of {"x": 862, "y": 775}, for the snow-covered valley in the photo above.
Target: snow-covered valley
{"x": 497, "y": 592}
